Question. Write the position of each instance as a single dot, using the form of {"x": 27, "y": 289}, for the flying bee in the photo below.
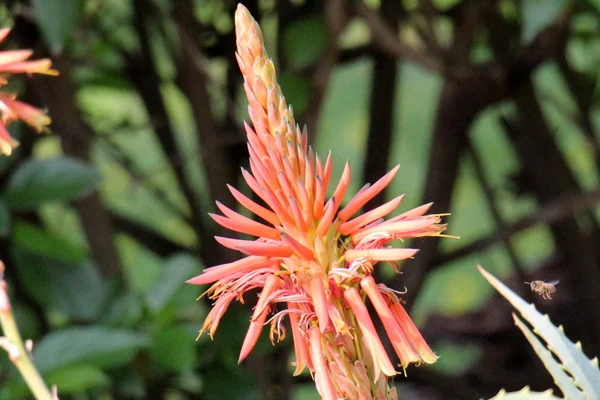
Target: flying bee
{"x": 544, "y": 289}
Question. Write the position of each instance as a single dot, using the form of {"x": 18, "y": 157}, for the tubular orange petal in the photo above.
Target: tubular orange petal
{"x": 327, "y": 219}
{"x": 300, "y": 346}
{"x": 414, "y": 213}
{"x": 361, "y": 199}
{"x": 348, "y": 227}
{"x": 12, "y": 56}
{"x": 389, "y": 254}
{"x": 398, "y": 227}
{"x": 412, "y": 333}
{"x": 258, "y": 317}
{"x": 322, "y": 376}
{"x": 317, "y": 292}
{"x": 7, "y": 143}
{"x": 246, "y": 226}
{"x": 402, "y": 346}
{"x": 255, "y": 248}
{"x": 217, "y": 272}
{"x": 381, "y": 361}
{"x": 257, "y": 209}
{"x": 300, "y": 249}
{"x": 342, "y": 186}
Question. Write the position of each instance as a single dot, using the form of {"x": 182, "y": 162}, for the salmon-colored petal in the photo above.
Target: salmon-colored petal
{"x": 340, "y": 190}
{"x": 252, "y": 206}
{"x": 401, "y": 344}
{"x": 7, "y": 143}
{"x": 381, "y": 361}
{"x": 322, "y": 375}
{"x": 247, "y": 226}
{"x": 300, "y": 346}
{"x": 215, "y": 273}
{"x": 361, "y": 199}
{"x": 348, "y": 227}
{"x": 299, "y": 248}
{"x": 12, "y": 56}
{"x": 256, "y": 248}
{"x": 317, "y": 292}
{"x": 398, "y": 228}
{"x": 410, "y": 330}
{"x": 390, "y": 254}
{"x": 414, "y": 213}
{"x": 327, "y": 218}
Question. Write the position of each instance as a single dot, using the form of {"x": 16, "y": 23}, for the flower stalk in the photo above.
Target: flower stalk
{"x": 313, "y": 260}
{"x": 18, "y": 352}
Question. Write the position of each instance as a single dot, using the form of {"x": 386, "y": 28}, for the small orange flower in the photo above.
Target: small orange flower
{"x": 15, "y": 62}
{"x": 312, "y": 260}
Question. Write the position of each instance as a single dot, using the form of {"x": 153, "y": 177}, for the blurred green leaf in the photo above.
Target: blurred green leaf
{"x": 176, "y": 270}
{"x": 537, "y": 15}
{"x": 92, "y": 345}
{"x": 297, "y": 91}
{"x": 58, "y": 179}
{"x": 39, "y": 242}
{"x": 77, "y": 378}
{"x": 174, "y": 348}
{"x": 5, "y": 219}
{"x": 57, "y": 20}
{"x": 125, "y": 311}
{"x": 76, "y": 290}
{"x": 304, "y": 41}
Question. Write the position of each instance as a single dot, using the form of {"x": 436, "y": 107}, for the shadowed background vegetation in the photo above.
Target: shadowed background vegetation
{"x": 491, "y": 107}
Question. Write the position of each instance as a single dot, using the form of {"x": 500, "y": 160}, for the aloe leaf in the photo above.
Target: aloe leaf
{"x": 562, "y": 380}
{"x": 525, "y": 394}
{"x": 584, "y": 371}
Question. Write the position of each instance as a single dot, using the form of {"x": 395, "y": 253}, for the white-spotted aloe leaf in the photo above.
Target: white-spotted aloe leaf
{"x": 525, "y": 394}
{"x": 585, "y": 382}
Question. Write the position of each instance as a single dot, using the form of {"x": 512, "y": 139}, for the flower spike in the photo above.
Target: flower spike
{"x": 313, "y": 261}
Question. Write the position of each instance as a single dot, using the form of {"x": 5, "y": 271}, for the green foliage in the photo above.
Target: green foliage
{"x": 577, "y": 376}
{"x": 37, "y": 241}
{"x": 304, "y": 41}
{"x": 58, "y": 179}
{"x": 58, "y": 285}
{"x": 57, "y": 20}
{"x": 96, "y": 346}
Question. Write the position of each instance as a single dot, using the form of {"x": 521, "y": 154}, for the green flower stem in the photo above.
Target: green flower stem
{"x": 20, "y": 358}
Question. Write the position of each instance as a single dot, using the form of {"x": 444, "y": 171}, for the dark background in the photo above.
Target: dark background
{"x": 490, "y": 106}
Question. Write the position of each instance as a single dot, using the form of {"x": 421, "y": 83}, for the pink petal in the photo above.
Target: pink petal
{"x": 255, "y": 248}
{"x": 322, "y": 376}
{"x": 361, "y": 199}
{"x": 390, "y": 254}
{"x": 348, "y": 227}
{"x": 402, "y": 346}
{"x": 217, "y": 272}
{"x": 381, "y": 360}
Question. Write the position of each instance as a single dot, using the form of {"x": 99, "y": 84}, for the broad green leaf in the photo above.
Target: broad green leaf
{"x": 304, "y": 41}
{"x": 92, "y": 345}
{"x": 57, "y": 20}
{"x": 58, "y": 179}
{"x": 584, "y": 371}
{"x": 176, "y": 271}
{"x": 76, "y": 290}
{"x": 174, "y": 348}
{"x": 525, "y": 394}
{"x": 45, "y": 244}
{"x": 5, "y": 219}
{"x": 77, "y": 378}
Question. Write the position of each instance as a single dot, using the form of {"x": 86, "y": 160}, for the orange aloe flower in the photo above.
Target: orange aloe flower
{"x": 16, "y": 62}
{"x": 313, "y": 261}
